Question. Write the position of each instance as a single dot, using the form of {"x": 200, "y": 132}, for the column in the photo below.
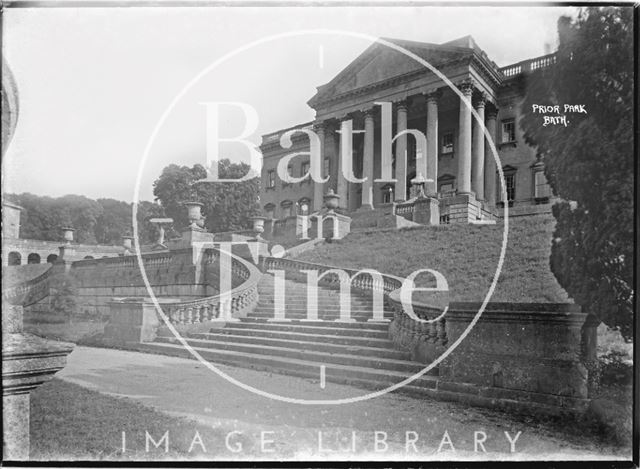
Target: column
{"x": 490, "y": 162}
{"x": 464, "y": 141}
{"x": 430, "y": 168}
{"x": 401, "y": 153}
{"x": 345, "y": 152}
{"x": 477, "y": 166}
{"x": 318, "y": 188}
{"x": 367, "y": 163}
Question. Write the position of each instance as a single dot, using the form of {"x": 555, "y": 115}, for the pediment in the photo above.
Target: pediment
{"x": 380, "y": 63}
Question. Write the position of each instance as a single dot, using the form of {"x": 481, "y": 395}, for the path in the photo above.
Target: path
{"x": 186, "y": 388}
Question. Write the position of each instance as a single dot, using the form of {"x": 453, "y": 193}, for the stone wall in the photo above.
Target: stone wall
{"x": 47, "y": 248}
{"x": 174, "y": 275}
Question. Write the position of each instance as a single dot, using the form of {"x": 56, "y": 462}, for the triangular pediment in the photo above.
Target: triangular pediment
{"x": 380, "y": 63}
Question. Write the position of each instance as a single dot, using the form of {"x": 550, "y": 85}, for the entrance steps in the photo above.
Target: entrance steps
{"x": 358, "y": 353}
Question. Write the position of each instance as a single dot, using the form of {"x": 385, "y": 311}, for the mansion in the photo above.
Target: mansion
{"x": 458, "y": 161}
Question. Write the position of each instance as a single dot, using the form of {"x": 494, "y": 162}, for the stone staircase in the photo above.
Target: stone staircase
{"x": 358, "y": 353}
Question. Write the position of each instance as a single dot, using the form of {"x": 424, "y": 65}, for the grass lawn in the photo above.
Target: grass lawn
{"x": 71, "y": 422}
{"x": 54, "y": 327}
{"x": 467, "y": 255}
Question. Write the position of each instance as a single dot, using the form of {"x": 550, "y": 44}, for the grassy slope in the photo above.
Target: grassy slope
{"x": 69, "y": 422}
{"x": 467, "y": 255}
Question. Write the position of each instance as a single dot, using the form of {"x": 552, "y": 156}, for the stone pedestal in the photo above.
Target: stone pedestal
{"x": 66, "y": 252}
{"x": 521, "y": 349}
{"x": 464, "y": 208}
{"x": 426, "y": 211}
{"x": 27, "y": 362}
{"x": 134, "y": 320}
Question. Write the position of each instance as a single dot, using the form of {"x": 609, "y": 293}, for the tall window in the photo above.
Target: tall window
{"x": 447, "y": 143}
{"x": 387, "y": 194}
{"x": 326, "y": 169}
{"x": 270, "y": 210}
{"x": 510, "y": 183}
{"x": 286, "y": 208}
{"x": 508, "y": 131}
{"x": 271, "y": 179}
{"x": 304, "y": 169}
{"x": 289, "y": 173}
{"x": 541, "y": 188}
{"x": 303, "y": 206}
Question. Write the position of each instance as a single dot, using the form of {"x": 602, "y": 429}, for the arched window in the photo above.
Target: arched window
{"x": 14, "y": 258}
{"x": 270, "y": 210}
{"x": 304, "y": 206}
{"x": 286, "y": 208}
{"x": 51, "y": 258}
{"x": 33, "y": 258}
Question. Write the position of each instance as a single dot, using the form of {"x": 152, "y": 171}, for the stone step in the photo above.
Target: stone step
{"x": 328, "y": 309}
{"x": 297, "y": 351}
{"x": 324, "y": 315}
{"x": 358, "y": 329}
{"x": 312, "y": 337}
{"x": 344, "y": 374}
{"x": 320, "y": 343}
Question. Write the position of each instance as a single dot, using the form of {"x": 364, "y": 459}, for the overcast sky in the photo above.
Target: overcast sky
{"x": 94, "y": 82}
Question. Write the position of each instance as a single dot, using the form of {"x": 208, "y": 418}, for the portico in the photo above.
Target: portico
{"x": 386, "y": 119}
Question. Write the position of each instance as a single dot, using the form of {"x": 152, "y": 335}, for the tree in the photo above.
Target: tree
{"x": 227, "y": 205}
{"x": 589, "y": 163}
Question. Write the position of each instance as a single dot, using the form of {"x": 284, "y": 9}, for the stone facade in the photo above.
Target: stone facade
{"x": 458, "y": 158}
{"x": 19, "y": 251}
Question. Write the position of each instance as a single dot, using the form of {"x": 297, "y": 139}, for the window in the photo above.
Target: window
{"x": 541, "y": 188}
{"x": 304, "y": 169}
{"x": 326, "y": 169}
{"x": 387, "y": 194}
{"x": 271, "y": 179}
{"x": 508, "y": 131}
{"x": 510, "y": 183}
{"x": 286, "y": 208}
{"x": 303, "y": 206}
{"x": 270, "y": 210}
{"x": 447, "y": 143}
{"x": 285, "y": 183}
{"x": 446, "y": 185}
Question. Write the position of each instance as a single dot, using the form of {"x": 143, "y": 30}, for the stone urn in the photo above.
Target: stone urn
{"x": 196, "y": 220}
{"x": 258, "y": 225}
{"x": 68, "y": 234}
{"x": 331, "y": 200}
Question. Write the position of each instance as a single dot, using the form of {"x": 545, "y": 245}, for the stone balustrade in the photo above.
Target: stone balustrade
{"x": 135, "y": 320}
{"x": 405, "y": 209}
{"x": 28, "y": 292}
{"x": 531, "y": 357}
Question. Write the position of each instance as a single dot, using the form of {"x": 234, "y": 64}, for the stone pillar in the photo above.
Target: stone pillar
{"x": 431, "y": 158}
{"x": 477, "y": 166}
{"x": 401, "y": 153}
{"x": 345, "y": 152}
{"x": 367, "y": 163}
{"x": 318, "y": 188}
{"x": 464, "y": 141}
{"x": 490, "y": 162}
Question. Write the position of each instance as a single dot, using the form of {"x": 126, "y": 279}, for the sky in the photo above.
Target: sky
{"x": 95, "y": 82}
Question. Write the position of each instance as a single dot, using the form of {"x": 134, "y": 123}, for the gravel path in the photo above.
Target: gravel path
{"x": 407, "y": 428}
